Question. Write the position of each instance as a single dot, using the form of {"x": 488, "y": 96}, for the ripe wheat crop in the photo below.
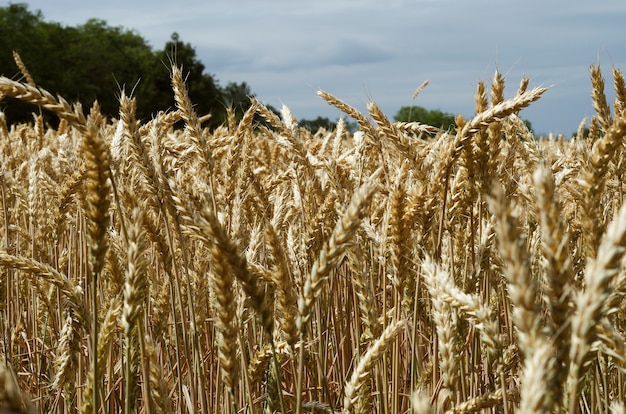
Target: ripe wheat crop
{"x": 258, "y": 268}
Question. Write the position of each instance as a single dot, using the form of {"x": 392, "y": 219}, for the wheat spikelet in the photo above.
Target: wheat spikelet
{"x": 446, "y": 291}
{"x": 600, "y": 103}
{"x": 388, "y": 130}
{"x": 192, "y": 123}
{"x": 486, "y": 400}
{"x": 223, "y": 232}
{"x": 66, "y": 360}
{"x": 419, "y": 89}
{"x": 619, "y": 106}
{"x": 420, "y": 404}
{"x": 20, "y": 64}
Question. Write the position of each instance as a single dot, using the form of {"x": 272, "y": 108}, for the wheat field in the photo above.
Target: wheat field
{"x": 262, "y": 268}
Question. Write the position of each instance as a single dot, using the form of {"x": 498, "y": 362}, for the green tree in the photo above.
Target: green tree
{"x": 422, "y": 115}
{"x": 314, "y": 125}
{"x": 96, "y": 61}
{"x": 26, "y": 33}
{"x": 101, "y": 60}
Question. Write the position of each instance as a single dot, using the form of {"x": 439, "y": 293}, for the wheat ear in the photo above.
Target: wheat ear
{"x": 98, "y": 188}
{"x": 559, "y": 273}
{"x": 445, "y": 321}
{"x": 363, "y": 371}
{"x": 619, "y": 106}
{"x": 44, "y": 99}
{"x": 20, "y": 64}
{"x": 600, "y": 103}
{"x": 593, "y": 181}
{"x": 590, "y": 303}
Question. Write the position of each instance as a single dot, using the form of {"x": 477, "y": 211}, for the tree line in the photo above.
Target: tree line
{"x": 95, "y": 61}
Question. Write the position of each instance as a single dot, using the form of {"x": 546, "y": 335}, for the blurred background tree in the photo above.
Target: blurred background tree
{"x": 96, "y": 61}
{"x": 422, "y": 115}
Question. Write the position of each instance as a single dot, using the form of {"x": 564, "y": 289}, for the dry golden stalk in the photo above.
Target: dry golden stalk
{"x": 12, "y": 400}
{"x": 362, "y": 373}
{"x": 109, "y": 331}
{"x": 327, "y": 261}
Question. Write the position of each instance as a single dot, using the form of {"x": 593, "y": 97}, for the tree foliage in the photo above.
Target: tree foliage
{"x": 422, "y": 115}
{"x": 95, "y": 61}
{"x": 314, "y": 125}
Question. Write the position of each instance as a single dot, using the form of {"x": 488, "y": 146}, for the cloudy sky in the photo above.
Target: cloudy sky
{"x": 362, "y": 50}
